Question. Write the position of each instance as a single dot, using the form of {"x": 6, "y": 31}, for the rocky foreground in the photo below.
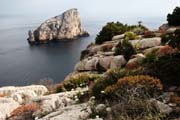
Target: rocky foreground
{"x": 63, "y": 27}
{"x": 50, "y": 106}
{"x": 37, "y": 102}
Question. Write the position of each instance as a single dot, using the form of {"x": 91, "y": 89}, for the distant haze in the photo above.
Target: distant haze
{"x": 90, "y": 9}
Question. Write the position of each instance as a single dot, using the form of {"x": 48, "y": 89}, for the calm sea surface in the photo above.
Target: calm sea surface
{"x": 21, "y": 64}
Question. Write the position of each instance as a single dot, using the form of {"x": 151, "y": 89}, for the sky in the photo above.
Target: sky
{"x": 91, "y": 9}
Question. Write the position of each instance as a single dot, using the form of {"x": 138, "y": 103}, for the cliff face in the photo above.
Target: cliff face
{"x": 65, "y": 26}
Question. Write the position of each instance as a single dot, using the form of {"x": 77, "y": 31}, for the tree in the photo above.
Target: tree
{"x": 174, "y": 18}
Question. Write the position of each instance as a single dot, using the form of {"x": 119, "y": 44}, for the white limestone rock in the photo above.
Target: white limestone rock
{"x": 52, "y": 102}
{"x": 65, "y": 26}
{"x": 38, "y": 89}
{"x": 118, "y": 37}
{"x": 146, "y": 42}
{"x": 7, "y": 105}
{"x": 106, "y": 62}
{"x": 74, "y": 112}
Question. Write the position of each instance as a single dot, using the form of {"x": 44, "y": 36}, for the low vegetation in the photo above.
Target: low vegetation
{"x": 147, "y": 85}
{"x": 77, "y": 80}
{"x": 125, "y": 48}
{"x": 24, "y": 112}
{"x": 111, "y": 29}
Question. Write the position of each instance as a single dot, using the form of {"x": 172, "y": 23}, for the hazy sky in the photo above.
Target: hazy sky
{"x": 91, "y": 8}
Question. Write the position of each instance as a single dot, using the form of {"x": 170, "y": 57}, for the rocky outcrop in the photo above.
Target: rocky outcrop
{"x": 146, "y": 42}
{"x": 135, "y": 61}
{"x": 100, "y": 63}
{"x": 52, "y": 102}
{"x": 23, "y": 94}
{"x": 65, "y": 26}
{"x": 74, "y": 112}
{"x": 38, "y": 89}
{"x": 7, "y": 105}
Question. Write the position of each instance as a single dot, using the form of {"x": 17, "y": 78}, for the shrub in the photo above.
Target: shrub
{"x": 84, "y": 54}
{"x": 146, "y": 84}
{"x": 131, "y": 36}
{"x": 165, "y": 38}
{"x": 129, "y": 97}
{"x": 165, "y": 68}
{"x": 151, "y": 57}
{"x": 59, "y": 88}
{"x": 79, "y": 80}
{"x": 109, "y": 30}
{"x": 25, "y": 111}
{"x": 175, "y": 40}
{"x": 109, "y": 78}
{"x": 174, "y": 18}
{"x": 135, "y": 108}
{"x": 125, "y": 48}
{"x": 139, "y": 30}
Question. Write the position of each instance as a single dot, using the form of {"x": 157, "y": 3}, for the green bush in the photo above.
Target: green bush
{"x": 174, "y": 18}
{"x": 175, "y": 40}
{"x": 77, "y": 80}
{"x": 131, "y": 36}
{"x": 165, "y": 38}
{"x": 109, "y": 78}
{"x": 139, "y": 30}
{"x": 172, "y": 39}
{"x": 166, "y": 68}
{"x": 109, "y": 30}
{"x": 59, "y": 88}
{"x": 125, "y": 48}
{"x": 84, "y": 54}
{"x": 151, "y": 57}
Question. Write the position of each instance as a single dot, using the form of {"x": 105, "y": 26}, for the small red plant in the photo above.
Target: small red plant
{"x": 2, "y": 95}
{"x": 24, "y": 109}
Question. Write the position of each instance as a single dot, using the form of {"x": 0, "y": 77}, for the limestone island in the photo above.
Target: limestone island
{"x": 66, "y": 26}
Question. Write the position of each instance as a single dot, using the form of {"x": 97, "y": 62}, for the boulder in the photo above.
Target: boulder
{"x": 146, "y": 42}
{"x": 52, "y": 102}
{"x": 150, "y": 50}
{"x": 104, "y": 62}
{"x": 164, "y": 27}
{"x": 135, "y": 61}
{"x": 65, "y": 26}
{"x": 7, "y": 105}
{"x": 118, "y": 37}
{"x": 23, "y": 94}
{"x": 74, "y": 112}
{"x": 162, "y": 107}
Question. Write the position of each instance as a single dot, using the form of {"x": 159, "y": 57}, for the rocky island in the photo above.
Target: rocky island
{"x": 63, "y": 27}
